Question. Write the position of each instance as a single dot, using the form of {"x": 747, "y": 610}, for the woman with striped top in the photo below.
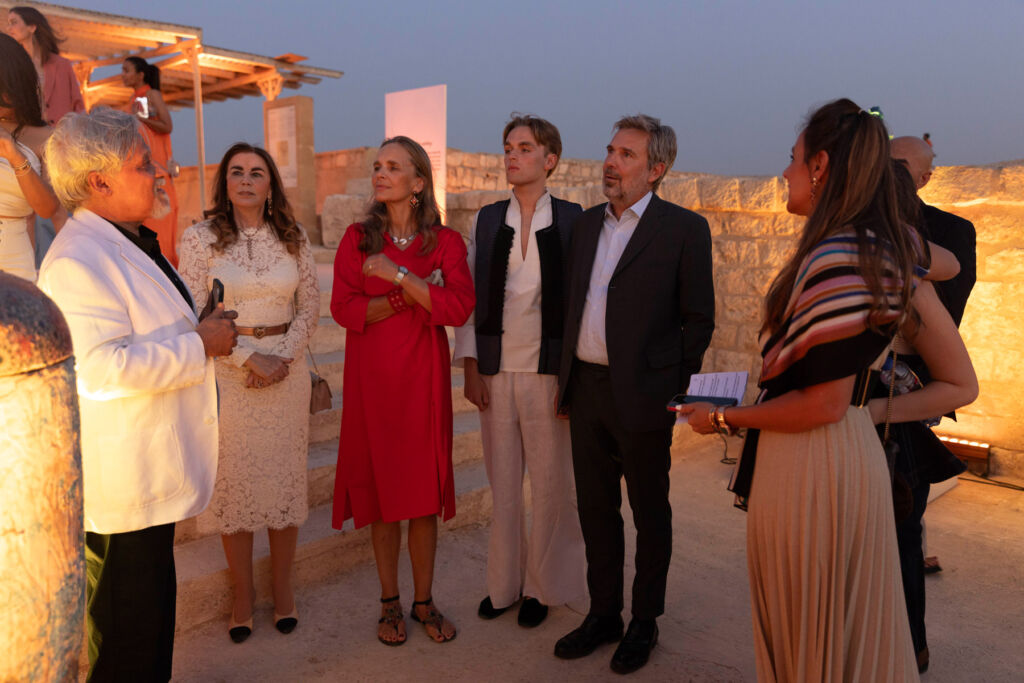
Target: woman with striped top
{"x": 825, "y": 585}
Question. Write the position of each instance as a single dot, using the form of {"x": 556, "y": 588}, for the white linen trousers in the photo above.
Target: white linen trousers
{"x": 520, "y": 432}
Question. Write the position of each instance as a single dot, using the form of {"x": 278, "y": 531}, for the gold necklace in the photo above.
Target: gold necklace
{"x": 248, "y": 237}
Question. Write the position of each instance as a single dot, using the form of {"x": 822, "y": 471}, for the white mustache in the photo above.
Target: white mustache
{"x": 161, "y": 203}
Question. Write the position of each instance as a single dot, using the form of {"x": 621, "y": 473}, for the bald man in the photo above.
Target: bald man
{"x": 942, "y": 228}
{"x": 923, "y": 459}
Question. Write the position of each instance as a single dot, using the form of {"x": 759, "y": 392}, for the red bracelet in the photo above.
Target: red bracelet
{"x": 397, "y": 301}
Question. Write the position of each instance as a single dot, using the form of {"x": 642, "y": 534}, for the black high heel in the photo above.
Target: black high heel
{"x": 239, "y": 630}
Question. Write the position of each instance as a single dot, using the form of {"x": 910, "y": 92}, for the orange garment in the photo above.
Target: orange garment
{"x": 160, "y": 151}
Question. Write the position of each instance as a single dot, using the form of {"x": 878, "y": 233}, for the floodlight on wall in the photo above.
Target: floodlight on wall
{"x": 966, "y": 449}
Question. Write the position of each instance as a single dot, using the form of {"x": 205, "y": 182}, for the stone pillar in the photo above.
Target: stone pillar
{"x": 288, "y": 136}
{"x": 42, "y": 562}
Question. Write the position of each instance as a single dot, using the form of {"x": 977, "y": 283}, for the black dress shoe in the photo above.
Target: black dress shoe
{"x": 487, "y": 610}
{"x": 532, "y": 613}
{"x": 636, "y": 646}
{"x": 592, "y": 632}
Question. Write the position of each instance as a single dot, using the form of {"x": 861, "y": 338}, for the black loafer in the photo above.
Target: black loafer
{"x": 636, "y": 646}
{"x": 594, "y": 631}
{"x": 532, "y": 613}
{"x": 487, "y": 610}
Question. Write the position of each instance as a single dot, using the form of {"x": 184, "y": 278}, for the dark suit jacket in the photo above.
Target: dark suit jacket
{"x": 660, "y": 314}
{"x": 956, "y": 234}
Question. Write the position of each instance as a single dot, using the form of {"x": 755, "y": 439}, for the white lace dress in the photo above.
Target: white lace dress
{"x": 264, "y": 433}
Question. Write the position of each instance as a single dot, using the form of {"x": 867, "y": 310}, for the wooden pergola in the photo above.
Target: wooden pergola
{"x": 191, "y": 72}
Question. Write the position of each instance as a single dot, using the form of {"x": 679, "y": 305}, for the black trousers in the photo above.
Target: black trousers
{"x": 908, "y": 539}
{"x": 130, "y": 603}
{"x": 603, "y": 452}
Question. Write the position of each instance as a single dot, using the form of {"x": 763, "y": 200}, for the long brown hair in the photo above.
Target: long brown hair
{"x": 19, "y": 83}
{"x": 858, "y": 194}
{"x": 426, "y": 213}
{"x": 45, "y": 38}
{"x": 277, "y": 212}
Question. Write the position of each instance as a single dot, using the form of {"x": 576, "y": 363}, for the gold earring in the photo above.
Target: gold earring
{"x": 414, "y": 201}
{"x": 814, "y": 187}
{"x": 270, "y": 204}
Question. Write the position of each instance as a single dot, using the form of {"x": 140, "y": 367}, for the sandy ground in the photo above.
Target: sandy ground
{"x": 975, "y": 606}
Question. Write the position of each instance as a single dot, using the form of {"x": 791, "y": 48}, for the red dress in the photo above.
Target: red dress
{"x": 395, "y": 455}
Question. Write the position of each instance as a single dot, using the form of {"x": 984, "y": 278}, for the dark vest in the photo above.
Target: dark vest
{"x": 493, "y": 247}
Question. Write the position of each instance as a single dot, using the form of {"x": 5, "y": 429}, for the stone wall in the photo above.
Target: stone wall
{"x": 752, "y": 235}
{"x": 347, "y": 172}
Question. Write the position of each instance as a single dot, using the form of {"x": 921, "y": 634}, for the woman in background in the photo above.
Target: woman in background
{"x": 147, "y": 103}
{"x": 399, "y": 278}
{"x": 252, "y": 244}
{"x": 23, "y": 188}
{"x": 61, "y": 90}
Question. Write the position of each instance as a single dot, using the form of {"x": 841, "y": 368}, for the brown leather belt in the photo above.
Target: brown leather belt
{"x": 261, "y": 332}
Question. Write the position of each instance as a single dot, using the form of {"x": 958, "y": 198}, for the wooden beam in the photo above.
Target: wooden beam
{"x": 144, "y": 54}
{"x": 192, "y": 54}
{"x": 228, "y": 85}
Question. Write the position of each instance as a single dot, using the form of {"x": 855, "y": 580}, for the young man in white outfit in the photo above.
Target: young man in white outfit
{"x": 511, "y": 351}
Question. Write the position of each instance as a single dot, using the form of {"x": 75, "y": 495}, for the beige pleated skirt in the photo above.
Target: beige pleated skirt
{"x": 826, "y": 593}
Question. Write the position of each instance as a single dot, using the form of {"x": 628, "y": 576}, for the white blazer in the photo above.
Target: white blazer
{"x": 147, "y": 394}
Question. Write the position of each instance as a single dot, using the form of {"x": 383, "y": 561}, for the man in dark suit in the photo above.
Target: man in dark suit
{"x": 923, "y": 459}
{"x": 640, "y": 315}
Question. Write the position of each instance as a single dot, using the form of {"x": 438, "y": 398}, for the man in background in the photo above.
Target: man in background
{"x": 923, "y": 459}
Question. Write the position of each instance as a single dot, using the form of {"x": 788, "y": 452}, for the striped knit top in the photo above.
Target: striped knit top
{"x": 827, "y": 333}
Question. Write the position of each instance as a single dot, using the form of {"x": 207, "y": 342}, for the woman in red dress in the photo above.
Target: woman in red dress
{"x": 399, "y": 278}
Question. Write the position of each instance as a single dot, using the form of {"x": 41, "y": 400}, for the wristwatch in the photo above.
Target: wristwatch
{"x": 402, "y": 272}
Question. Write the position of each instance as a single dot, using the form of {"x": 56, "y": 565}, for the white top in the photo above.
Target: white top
{"x": 12, "y": 199}
{"x": 521, "y": 316}
{"x": 615, "y": 235}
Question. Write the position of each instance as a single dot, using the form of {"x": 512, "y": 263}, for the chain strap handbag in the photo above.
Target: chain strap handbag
{"x": 902, "y": 495}
{"x": 320, "y": 393}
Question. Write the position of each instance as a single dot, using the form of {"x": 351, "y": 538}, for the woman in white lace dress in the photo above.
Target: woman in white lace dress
{"x": 251, "y": 243}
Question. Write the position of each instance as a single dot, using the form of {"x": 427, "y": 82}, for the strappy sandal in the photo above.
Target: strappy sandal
{"x": 392, "y": 617}
{"x": 434, "y": 619}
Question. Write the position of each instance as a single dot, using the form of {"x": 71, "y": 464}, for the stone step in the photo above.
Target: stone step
{"x": 321, "y": 464}
{"x": 323, "y": 255}
{"x": 204, "y": 585}
{"x": 328, "y": 336}
{"x": 331, "y": 366}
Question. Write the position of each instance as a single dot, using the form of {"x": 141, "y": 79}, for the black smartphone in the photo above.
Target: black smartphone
{"x": 680, "y": 399}
{"x": 216, "y": 297}
{"x": 217, "y": 293}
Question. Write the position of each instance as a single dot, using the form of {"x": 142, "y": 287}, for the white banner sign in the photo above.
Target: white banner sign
{"x": 422, "y": 114}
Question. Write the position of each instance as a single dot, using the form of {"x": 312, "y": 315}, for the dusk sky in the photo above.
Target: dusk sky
{"x": 734, "y": 78}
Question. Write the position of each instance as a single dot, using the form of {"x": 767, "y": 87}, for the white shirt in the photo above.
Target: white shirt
{"x": 615, "y": 235}
{"x": 521, "y": 315}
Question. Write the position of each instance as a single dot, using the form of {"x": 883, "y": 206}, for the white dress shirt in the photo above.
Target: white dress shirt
{"x": 615, "y": 235}
{"x": 521, "y": 317}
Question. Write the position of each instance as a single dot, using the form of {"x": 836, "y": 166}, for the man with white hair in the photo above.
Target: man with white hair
{"x": 147, "y": 395}
{"x": 923, "y": 459}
